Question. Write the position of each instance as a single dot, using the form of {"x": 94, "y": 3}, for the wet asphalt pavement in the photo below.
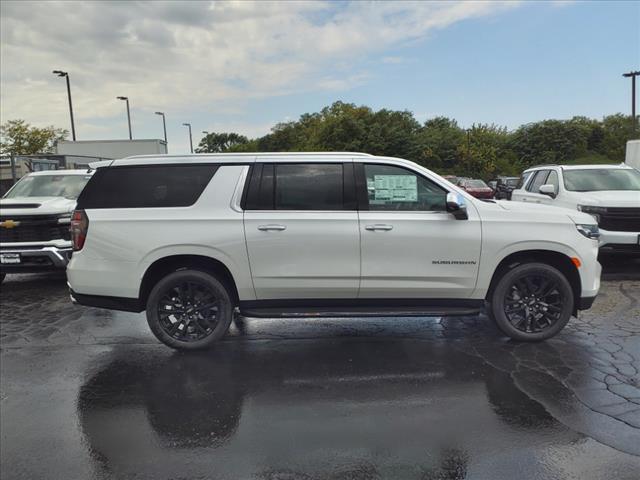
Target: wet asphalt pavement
{"x": 88, "y": 393}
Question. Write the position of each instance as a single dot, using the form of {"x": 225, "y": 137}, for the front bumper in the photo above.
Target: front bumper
{"x": 619, "y": 242}
{"x": 585, "y": 303}
{"x": 36, "y": 258}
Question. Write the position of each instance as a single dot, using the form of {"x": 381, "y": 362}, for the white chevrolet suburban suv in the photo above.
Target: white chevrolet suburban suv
{"x": 34, "y": 221}
{"x": 194, "y": 239}
{"x": 610, "y": 193}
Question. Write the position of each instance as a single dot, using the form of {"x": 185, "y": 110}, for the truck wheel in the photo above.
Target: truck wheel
{"x": 532, "y": 302}
{"x": 189, "y": 310}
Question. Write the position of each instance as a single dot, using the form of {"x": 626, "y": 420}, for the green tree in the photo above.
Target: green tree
{"x": 220, "y": 142}
{"x": 440, "y": 143}
{"x": 549, "y": 141}
{"x": 486, "y": 152}
{"x": 618, "y": 129}
{"x": 19, "y": 138}
{"x": 441, "y": 138}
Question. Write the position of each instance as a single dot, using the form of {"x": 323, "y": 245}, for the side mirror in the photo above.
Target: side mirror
{"x": 456, "y": 206}
{"x": 548, "y": 189}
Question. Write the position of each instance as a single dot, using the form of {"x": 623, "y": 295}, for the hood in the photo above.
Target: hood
{"x": 36, "y": 205}
{"x": 546, "y": 210}
{"x": 610, "y": 198}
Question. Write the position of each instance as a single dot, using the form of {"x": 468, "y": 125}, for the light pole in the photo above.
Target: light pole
{"x": 190, "y": 137}
{"x": 633, "y": 76}
{"x": 60, "y": 73}
{"x": 164, "y": 125}
{"x": 205, "y": 139}
{"x": 126, "y": 99}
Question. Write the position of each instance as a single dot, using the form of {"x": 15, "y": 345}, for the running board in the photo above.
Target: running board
{"x": 324, "y": 312}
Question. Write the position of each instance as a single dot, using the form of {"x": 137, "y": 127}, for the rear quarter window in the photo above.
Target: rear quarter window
{"x": 146, "y": 186}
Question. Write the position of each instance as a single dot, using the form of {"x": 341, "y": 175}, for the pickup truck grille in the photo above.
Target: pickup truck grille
{"x": 40, "y": 228}
{"x": 620, "y": 220}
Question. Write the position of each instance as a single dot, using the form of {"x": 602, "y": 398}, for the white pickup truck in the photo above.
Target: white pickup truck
{"x": 610, "y": 193}
{"x": 34, "y": 221}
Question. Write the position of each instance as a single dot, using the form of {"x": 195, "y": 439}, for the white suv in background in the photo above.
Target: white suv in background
{"x": 190, "y": 239}
{"x": 610, "y": 193}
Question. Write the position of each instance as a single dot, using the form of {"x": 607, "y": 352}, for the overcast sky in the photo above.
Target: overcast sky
{"x": 242, "y": 66}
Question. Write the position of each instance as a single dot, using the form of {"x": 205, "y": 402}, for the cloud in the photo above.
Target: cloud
{"x": 198, "y": 56}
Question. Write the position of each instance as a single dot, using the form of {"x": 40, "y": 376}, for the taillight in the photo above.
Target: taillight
{"x": 78, "y": 229}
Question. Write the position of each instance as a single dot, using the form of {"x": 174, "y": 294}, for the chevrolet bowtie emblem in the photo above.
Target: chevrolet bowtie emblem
{"x": 9, "y": 224}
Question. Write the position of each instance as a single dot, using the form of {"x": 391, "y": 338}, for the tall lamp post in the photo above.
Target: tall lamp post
{"x": 126, "y": 99}
{"x": 633, "y": 76}
{"x": 205, "y": 133}
{"x": 164, "y": 125}
{"x": 60, "y": 73}
{"x": 190, "y": 137}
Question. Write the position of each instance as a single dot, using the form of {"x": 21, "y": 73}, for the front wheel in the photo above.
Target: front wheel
{"x": 532, "y": 302}
{"x": 189, "y": 310}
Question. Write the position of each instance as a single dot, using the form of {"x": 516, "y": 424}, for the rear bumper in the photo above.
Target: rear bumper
{"x": 111, "y": 303}
{"x": 36, "y": 258}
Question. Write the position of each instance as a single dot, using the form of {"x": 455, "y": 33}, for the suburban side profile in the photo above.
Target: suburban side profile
{"x": 194, "y": 239}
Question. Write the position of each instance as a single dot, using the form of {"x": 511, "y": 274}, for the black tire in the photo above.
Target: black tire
{"x": 2, "y": 275}
{"x": 532, "y": 302}
{"x": 189, "y": 310}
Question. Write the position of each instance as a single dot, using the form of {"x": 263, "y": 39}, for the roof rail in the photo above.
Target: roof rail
{"x": 544, "y": 165}
{"x": 252, "y": 154}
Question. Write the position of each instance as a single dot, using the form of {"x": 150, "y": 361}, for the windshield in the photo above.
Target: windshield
{"x": 68, "y": 186}
{"x": 476, "y": 184}
{"x": 599, "y": 179}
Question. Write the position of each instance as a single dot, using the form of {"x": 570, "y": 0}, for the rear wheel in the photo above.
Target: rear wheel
{"x": 532, "y": 302}
{"x": 189, "y": 310}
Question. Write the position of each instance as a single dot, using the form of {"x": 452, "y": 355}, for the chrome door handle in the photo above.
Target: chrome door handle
{"x": 265, "y": 228}
{"x": 379, "y": 226}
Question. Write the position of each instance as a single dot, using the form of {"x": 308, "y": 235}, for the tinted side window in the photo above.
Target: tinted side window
{"x": 260, "y": 188}
{"x": 395, "y": 188}
{"x": 142, "y": 186}
{"x": 523, "y": 179}
{"x": 538, "y": 181}
{"x": 309, "y": 186}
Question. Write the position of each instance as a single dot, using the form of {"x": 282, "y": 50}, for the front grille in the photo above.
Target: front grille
{"x": 34, "y": 229}
{"x": 620, "y": 220}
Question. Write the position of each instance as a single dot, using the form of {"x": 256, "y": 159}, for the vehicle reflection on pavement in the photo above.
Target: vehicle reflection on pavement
{"x": 313, "y": 409}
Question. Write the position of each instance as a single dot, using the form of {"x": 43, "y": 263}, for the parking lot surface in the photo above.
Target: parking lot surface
{"x": 89, "y": 393}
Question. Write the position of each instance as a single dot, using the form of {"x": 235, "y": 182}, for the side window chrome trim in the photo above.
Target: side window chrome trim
{"x": 236, "y": 199}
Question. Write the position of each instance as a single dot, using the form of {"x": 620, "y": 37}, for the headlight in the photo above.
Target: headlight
{"x": 593, "y": 211}
{"x": 64, "y": 218}
{"x": 589, "y": 231}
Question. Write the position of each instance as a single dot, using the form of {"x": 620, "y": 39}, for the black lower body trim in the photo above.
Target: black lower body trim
{"x": 584, "y": 303}
{"x": 111, "y": 303}
{"x": 363, "y": 307}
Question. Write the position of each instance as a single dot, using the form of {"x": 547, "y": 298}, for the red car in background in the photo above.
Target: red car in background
{"x": 477, "y": 188}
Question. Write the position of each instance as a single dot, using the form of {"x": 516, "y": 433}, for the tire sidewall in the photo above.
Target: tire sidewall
{"x": 225, "y": 309}
{"x": 499, "y": 293}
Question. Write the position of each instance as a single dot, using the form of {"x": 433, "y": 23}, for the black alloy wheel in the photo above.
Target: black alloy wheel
{"x": 532, "y": 302}
{"x": 188, "y": 312}
{"x": 189, "y": 309}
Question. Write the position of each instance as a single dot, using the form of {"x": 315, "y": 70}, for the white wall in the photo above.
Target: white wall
{"x": 112, "y": 148}
{"x": 632, "y": 156}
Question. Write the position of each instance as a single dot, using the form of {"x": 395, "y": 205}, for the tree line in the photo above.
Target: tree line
{"x": 440, "y": 144}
